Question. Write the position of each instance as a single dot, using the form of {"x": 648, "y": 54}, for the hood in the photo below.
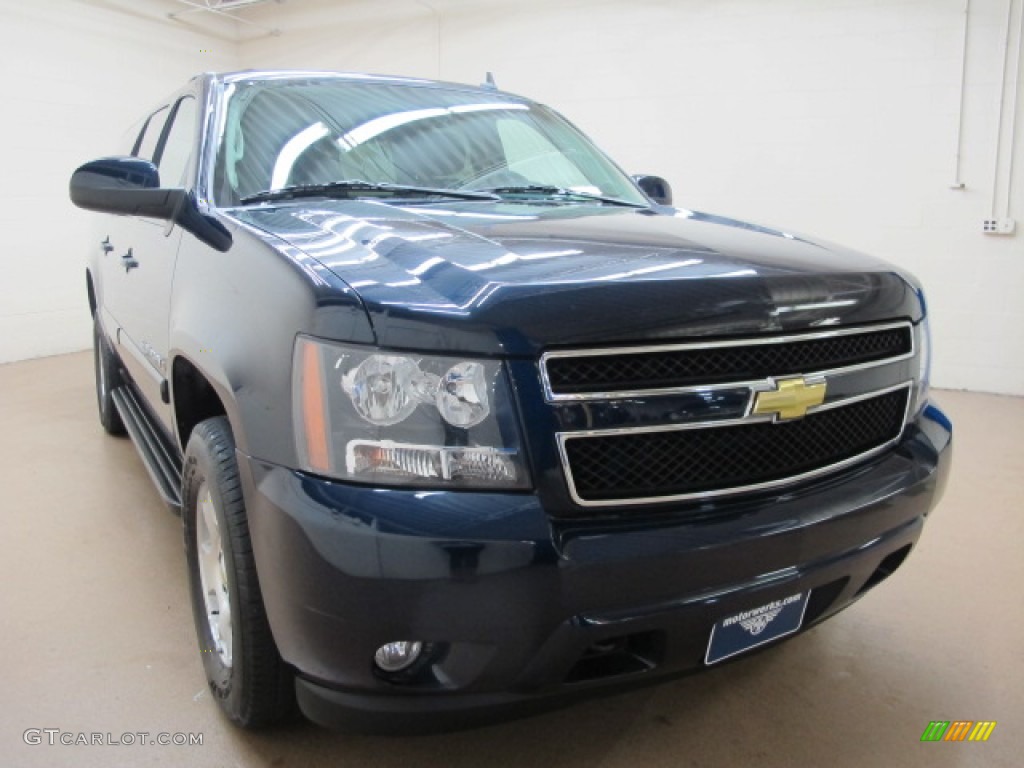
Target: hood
{"x": 498, "y": 278}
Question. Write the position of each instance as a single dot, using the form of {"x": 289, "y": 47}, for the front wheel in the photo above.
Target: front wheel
{"x": 244, "y": 670}
{"x": 108, "y": 378}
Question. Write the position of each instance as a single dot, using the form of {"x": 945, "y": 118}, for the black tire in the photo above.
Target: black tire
{"x": 108, "y": 378}
{"x": 253, "y": 686}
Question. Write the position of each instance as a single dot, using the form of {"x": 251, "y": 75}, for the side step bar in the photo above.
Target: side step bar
{"x": 162, "y": 465}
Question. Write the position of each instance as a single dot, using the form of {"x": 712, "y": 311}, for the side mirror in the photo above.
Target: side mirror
{"x": 127, "y": 185}
{"x": 131, "y": 186}
{"x": 655, "y": 188}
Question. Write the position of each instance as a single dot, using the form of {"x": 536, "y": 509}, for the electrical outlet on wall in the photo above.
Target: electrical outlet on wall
{"x": 998, "y": 226}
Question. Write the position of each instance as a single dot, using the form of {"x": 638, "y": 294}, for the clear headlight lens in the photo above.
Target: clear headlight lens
{"x": 371, "y": 416}
{"x": 385, "y": 389}
{"x": 462, "y": 395}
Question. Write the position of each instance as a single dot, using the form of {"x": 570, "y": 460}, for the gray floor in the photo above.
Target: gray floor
{"x": 97, "y": 633}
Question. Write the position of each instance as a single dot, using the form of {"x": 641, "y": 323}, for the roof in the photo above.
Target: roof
{"x": 300, "y": 74}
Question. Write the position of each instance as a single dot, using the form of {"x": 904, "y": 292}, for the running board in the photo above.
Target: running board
{"x": 162, "y": 465}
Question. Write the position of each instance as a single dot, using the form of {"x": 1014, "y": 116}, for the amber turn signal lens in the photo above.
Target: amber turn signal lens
{"x": 313, "y": 408}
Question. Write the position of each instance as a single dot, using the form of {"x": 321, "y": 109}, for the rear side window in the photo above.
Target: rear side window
{"x": 173, "y": 158}
{"x": 145, "y": 145}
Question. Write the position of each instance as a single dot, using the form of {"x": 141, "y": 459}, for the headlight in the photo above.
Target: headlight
{"x": 381, "y": 417}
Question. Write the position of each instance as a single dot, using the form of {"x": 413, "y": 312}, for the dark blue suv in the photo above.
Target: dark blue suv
{"x": 462, "y": 420}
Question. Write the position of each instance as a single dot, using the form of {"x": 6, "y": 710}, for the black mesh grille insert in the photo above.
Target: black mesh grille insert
{"x": 718, "y": 365}
{"x": 652, "y": 464}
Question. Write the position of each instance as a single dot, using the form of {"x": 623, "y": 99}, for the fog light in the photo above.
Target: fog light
{"x": 394, "y": 657}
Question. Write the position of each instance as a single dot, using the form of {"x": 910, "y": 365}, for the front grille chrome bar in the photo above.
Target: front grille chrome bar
{"x": 563, "y": 438}
{"x": 553, "y": 396}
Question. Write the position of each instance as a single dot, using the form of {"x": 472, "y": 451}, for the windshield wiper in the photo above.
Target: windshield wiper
{"x": 359, "y": 188}
{"x": 544, "y": 190}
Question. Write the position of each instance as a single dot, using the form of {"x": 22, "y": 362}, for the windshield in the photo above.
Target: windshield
{"x": 283, "y": 133}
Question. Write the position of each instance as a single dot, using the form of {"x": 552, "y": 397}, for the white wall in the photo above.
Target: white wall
{"x": 833, "y": 117}
{"x": 76, "y": 75}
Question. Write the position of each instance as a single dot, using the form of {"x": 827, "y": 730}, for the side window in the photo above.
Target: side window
{"x": 177, "y": 147}
{"x": 145, "y": 145}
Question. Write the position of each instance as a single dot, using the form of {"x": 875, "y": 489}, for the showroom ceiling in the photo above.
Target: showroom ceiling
{"x": 230, "y": 20}
{"x": 199, "y": 12}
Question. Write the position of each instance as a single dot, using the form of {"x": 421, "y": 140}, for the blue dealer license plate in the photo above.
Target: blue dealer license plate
{"x": 756, "y": 626}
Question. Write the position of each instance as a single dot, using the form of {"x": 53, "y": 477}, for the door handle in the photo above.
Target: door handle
{"x": 128, "y": 261}
{"x": 106, "y": 246}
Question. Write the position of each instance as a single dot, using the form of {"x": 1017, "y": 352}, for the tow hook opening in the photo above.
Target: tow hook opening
{"x": 615, "y": 656}
{"x": 886, "y": 568}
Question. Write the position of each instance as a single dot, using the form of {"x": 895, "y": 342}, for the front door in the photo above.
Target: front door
{"x": 138, "y": 264}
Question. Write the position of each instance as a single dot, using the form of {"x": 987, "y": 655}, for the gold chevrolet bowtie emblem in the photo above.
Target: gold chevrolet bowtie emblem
{"x": 791, "y": 400}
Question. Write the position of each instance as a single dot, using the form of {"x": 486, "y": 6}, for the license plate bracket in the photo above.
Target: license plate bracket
{"x": 753, "y": 627}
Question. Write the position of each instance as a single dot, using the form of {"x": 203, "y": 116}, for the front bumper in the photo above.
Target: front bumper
{"x": 520, "y": 609}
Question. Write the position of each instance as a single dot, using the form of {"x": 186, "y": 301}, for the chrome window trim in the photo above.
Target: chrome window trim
{"x": 753, "y": 385}
{"x": 564, "y": 437}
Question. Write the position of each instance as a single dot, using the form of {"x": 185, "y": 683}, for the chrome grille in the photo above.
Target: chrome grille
{"x": 676, "y": 463}
{"x": 864, "y": 412}
{"x": 598, "y": 374}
